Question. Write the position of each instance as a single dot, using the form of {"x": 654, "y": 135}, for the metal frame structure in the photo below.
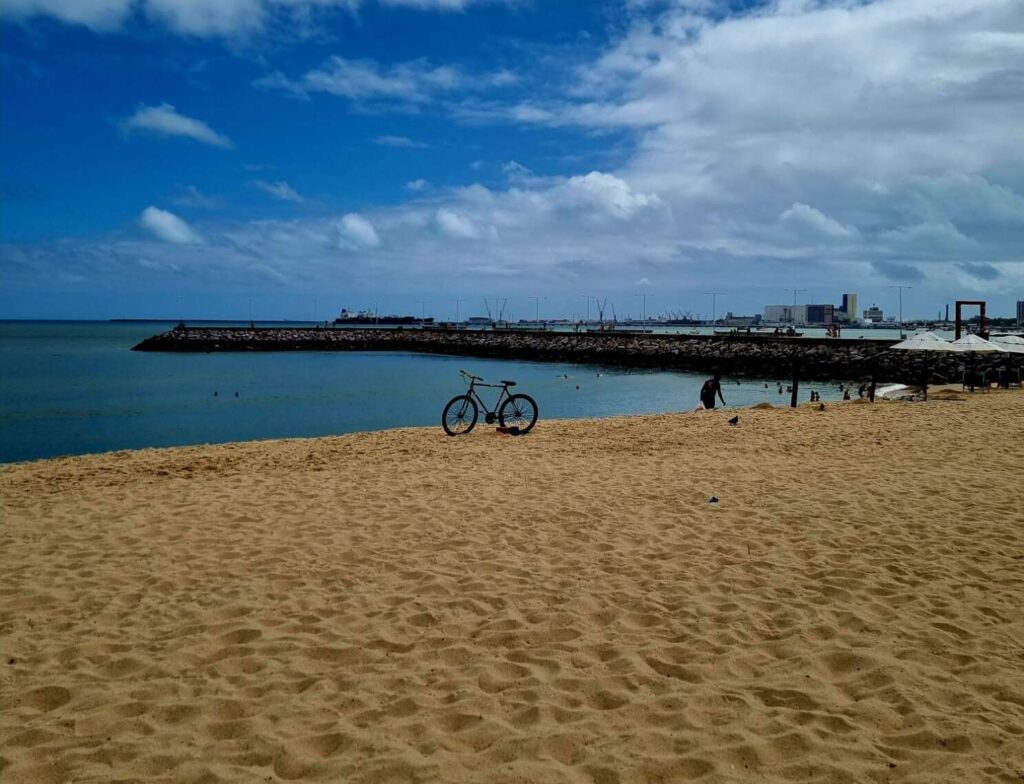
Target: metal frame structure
{"x": 959, "y": 321}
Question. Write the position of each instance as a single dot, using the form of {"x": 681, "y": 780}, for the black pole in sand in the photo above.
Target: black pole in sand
{"x": 796, "y": 385}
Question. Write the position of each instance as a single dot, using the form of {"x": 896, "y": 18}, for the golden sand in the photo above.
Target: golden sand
{"x": 564, "y": 607}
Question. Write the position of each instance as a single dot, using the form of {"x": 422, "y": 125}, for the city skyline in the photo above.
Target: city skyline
{"x": 290, "y": 158}
{"x": 544, "y": 308}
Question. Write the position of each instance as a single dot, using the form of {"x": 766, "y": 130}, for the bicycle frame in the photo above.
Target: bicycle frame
{"x": 476, "y": 395}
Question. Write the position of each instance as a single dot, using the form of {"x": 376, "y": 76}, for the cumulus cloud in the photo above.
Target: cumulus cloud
{"x": 807, "y": 217}
{"x": 827, "y": 132}
{"x": 417, "y": 185}
{"x": 456, "y": 225}
{"x": 279, "y": 190}
{"x": 612, "y": 194}
{"x": 168, "y": 227}
{"x": 357, "y": 231}
{"x": 164, "y": 120}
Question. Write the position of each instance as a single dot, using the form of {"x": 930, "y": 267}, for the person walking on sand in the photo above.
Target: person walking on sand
{"x": 708, "y": 391}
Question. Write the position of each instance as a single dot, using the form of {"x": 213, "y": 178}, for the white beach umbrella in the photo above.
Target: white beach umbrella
{"x": 1011, "y": 343}
{"x": 930, "y": 342}
{"x": 926, "y": 341}
{"x": 974, "y": 344}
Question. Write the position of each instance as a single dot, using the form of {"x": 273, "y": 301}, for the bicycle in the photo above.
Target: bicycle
{"x": 459, "y": 416}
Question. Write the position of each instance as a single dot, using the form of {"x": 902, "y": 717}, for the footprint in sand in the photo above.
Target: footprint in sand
{"x": 47, "y": 698}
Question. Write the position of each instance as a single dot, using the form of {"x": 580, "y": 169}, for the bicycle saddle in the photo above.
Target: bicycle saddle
{"x": 508, "y": 383}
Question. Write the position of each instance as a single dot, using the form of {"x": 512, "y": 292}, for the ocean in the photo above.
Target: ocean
{"x": 69, "y": 388}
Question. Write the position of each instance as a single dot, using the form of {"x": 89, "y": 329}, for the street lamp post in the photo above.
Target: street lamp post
{"x": 644, "y": 297}
{"x": 901, "y": 306}
{"x": 536, "y": 302}
{"x": 589, "y": 297}
{"x": 457, "y": 311}
{"x": 714, "y": 297}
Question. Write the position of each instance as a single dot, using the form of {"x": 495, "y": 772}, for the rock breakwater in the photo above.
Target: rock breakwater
{"x": 751, "y": 356}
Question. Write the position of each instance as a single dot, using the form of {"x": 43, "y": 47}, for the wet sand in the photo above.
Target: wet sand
{"x": 562, "y": 607}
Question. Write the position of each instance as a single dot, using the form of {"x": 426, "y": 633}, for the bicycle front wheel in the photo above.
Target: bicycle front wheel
{"x": 459, "y": 415}
{"x": 519, "y": 411}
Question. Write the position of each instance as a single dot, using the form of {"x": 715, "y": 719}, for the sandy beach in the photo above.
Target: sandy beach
{"x": 562, "y": 607}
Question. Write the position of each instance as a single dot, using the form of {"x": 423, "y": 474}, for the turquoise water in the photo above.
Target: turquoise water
{"x": 76, "y": 388}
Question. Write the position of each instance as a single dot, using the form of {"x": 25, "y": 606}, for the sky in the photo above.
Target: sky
{"x": 283, "y": 159}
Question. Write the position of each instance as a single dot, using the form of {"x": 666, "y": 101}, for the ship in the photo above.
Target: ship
{"x": 351, "y": 318}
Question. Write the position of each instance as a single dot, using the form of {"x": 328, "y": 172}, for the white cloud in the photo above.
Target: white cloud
{"x": 164, "y": 120}
{"x": 209, "y": 17}
{"x": 415, "y": 82}
{"x": 514, "y": 169}
{"x": 97, "y": 14}
{"x": 611, "y": 194}
{"x": 456, "y": 225}
{"x": 358, "y": 231}
{"x": 203, "y": 18}
{"x": 168, "y": 227}
{"x": 807, "y": 217}
{"x": 191, "y": 196}
{"x": 399, "y": 141}
{"x": 279, "y": 190}
{"x": 432, "y": 5}
{"x": 417, "y": 185}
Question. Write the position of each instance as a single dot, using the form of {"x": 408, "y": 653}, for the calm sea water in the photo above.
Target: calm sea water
{"x": 76, "y": 388}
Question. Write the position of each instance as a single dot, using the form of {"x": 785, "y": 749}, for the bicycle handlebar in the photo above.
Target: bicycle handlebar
{"x": 470, "y": 375}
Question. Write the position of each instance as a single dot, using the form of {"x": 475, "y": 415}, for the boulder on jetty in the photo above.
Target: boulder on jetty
{"x": 750, "y": 356}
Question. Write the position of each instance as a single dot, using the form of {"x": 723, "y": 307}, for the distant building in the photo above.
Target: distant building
{"x": 732, "y": 320}
{"x": 785, "y": 314}
{"x": 874, "y": 315}
{"x": 820, "y": 314}
{"x": 1020, "y": 313}
{"x": 848, "y": 310}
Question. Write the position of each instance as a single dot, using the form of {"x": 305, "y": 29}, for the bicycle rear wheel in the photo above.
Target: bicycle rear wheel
{"x": 459, "y": 415}
{"x": 519, "y": 411}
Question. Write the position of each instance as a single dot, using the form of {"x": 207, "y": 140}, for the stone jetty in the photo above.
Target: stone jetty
{"x": 757, "y": 356}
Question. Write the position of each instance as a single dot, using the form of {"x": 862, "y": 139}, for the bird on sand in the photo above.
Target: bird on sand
{"x": 735, "y": 420}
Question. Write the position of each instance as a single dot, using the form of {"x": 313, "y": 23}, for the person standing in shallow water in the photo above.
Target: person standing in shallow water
{"x": 711, "y": 387}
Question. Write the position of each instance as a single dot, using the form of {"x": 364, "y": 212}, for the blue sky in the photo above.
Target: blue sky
{"x": 196, "y": 156}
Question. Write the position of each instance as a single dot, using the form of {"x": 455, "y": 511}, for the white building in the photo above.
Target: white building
{"x": 874, "y": 315}
{"x": 785, "y": 314}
